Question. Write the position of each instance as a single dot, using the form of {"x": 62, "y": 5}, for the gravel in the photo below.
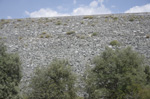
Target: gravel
{"x": 39, "y": 40}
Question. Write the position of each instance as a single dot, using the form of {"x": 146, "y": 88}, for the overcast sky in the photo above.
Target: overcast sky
{"x": 48, "y": 8}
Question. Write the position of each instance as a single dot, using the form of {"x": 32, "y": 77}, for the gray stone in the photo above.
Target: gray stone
{"x": 37, "y": 49}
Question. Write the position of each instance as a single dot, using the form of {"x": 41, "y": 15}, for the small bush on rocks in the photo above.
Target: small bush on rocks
{"x": 10, "y": 74}
{"x": 82, "y": 22}
{"x": 43, "y": 33}
{"x": 94, "y": 34}
{"x": 131, "y": 19}
{"x": 58, "y": 23}
{"x": 19, "y": 20}
{"x": 88, "y": 17}
{"x": 47, "y": 36}
{"x": 147, "y": 36}
{"x": 53, "y": 82}
{"x": 41, "y": 36}
{"x": 115, "y": 18}
{"x": 2, "y": 22}
{"x": 70, "y": 32}
{"x": 118, "y": 74}
{"x": 114, "y": 43}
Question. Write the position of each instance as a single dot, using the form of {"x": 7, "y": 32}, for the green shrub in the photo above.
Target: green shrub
{"x": 3, "y": 22}
{"x": 53, "y": 82}
{"x": 144, "y": 93}
{"x": 118, "y": 74}
{"x": 10, "y": 74}
{"x": 70, "y": 32}
{"x": 58, "y": 23}
{"x": 43, "y": 33}
{"x": 82, "y": 22}
{"x": 80, "y": 36}
{"x": 131, "y": 19}
{"x": 19, "y": 20}
{"x": 115, "y": 18}
{"x": 93, "y": 25}
{"x": 107, "y": 18}
{"x": 65, "y": 24}
{"x": 147, "y": 72}
{"x": 94, "y": 34}
{"x": 47, "y": 36}
{"x": 41, "y": 36}
{"x": 147, "y": 36}
{"x": 114, "y": 43}
{"x": 20, "y": 38}
{"x": 88, "y": 17}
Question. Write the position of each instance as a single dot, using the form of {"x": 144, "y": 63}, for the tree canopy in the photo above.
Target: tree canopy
{"x": 10, "y": 74}
{"x": 53, "y": 82}
{"x": 118, "y": 74}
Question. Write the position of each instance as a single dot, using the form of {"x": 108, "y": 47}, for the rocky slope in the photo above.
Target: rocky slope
{"x": 76, "y": 38}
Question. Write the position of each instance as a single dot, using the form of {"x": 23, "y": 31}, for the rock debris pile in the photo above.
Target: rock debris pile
{"x": 75, "y": 38}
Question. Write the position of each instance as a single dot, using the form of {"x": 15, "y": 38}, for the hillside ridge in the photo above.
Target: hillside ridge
{"x": 75, "y": 38}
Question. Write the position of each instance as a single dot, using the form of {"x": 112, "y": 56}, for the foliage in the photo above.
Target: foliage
{"x": 3, "y": 22}
{"x": 115, "y": 18}
{"x": 53, "y": 82}
{"x": 88, "y": 17}
{"x": 41, "y": 36}
{"x": 44, "y": 35}
{"x": 118, "y": 74}
{"x": 47, "y": 36}
{"x": 58, "y": 23}
{"x": 43, "y": 32}
{"x": 112, "y": 17}
{"x": 19, "y": 20}
{"x": 65, "y": 24}
{"x": 144, "y": 93}
{"x": 82, "y": 22}
{"x": 147, "y": 36}
{"x": 147, "y": 72}
{"x": 94, "y": 34}
{"x": 132, "y": 18}
{"x": 80, "y": 36}
{"x": 70, "y": 32}
{"x": 114, "y": 43}
{"x": 10, "y": 74}
{"x": 93, "y": 25}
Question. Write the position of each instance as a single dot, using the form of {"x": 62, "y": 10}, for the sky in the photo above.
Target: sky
{"x": 12, "y": 9}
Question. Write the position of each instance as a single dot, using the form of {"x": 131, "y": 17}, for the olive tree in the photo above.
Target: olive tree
{"x": 117, "y": 74}
{"x": 56, "y": 81}
{"x": 10, "y": 74}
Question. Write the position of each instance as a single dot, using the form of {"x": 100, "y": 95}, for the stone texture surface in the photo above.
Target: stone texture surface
{"x": 39, "y": 40}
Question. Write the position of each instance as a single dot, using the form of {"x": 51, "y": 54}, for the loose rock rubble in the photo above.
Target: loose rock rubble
{"x": 75, "y": 38}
